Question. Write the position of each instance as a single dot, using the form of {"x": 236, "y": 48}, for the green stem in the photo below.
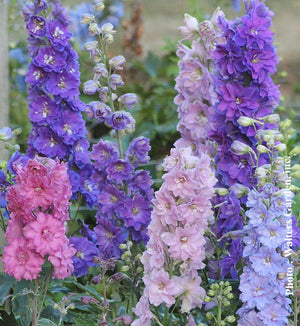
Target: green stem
{"x": 166, "y": 317}
{"x": 111, "y": 102}
{"x": 104, "y": 294}
{"x": 48, "y": 277}
{"x": 219, "y": 313}
{"x": 35, "y": 303}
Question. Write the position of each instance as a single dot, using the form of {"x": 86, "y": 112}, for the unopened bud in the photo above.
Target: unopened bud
{"x": 240, "y": 148}
{"x": 16, "y": 131}
{"x": 209, "y": 316}
{"x": 90, "y": 87}
{"x": 117, "y": 62}
{"x": 128, "y": 99}
{"x": 90, "y": 46}
{"x": 125, "y": 268}
{"x": 99, "y": 6}
{"x": 108, "y": 38}
{"x": 245, "y": 121}
{"x": 221, "y": 191}
{"x": 272, "y": 118}
{"x": 230, "y": 319}
{"x": 96, "y": 279}
{"x": 6, "y": 134}
{"x": 94, "y": 29}
{"x": 239, "y": 190}
{"x": 117, "y": 277}
{"x": 280, "y": 147}
{"x": 262, "y": 149}
{"x": 87, "y": 19}
{"x": 88, "y": 300}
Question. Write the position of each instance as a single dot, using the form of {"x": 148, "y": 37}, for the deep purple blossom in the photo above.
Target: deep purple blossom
{"x": 85, "y": 251}
{"x": 109, "y": 238}
{"x": 37, "y": 26}
{"x": 236, "y": 100}
{"x": 119, "y": 171}
{"x": 120, "y": 120}
{"x": 50, "y": 59}
{"x": 103, "y": 153}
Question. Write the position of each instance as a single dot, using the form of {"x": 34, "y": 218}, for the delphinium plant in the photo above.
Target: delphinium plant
{"x": 244, "y": 65}
{"x": 119, "y": 187}
{"x": 182, "y": 206}
{"x": 58, "y": 129}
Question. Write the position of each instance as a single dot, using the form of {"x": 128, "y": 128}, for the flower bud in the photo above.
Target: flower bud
{"x": 100, "y": 70}
{"x": 99, "y": 6}
{"x": 125, "y": 268}
{"x": 128, "y": 99}
{"x": 91, "y": 46}
{"x": 209, "y": 316}
{"x": 211, "y": 293}
{"x": 117, "y": 277}
{"x": 272, "y": 118}
{"x": 94, "y": 29}
{"x": 88, "y": 300}
{"x": 90, "y": 87}
{"x": 107, "y": 28}
{"x": 116, "y": 81}
{"x": 125, "y": 320}
{"x": 108, "y": 38}
{"x": 230, "y": 319}
{"x": 123, "y": 246}
{"x": 96, "y": 279}
{"x": 87, "y": 19}
{"x": 6, "y": 134}
{"x": 239, "y": 190}
{"x": 245, "y": 121}
{"x": 280, "y": 147}
{"x": 221, "y": 191}
{"x": 117, "y": 62}
{"x": 240, "y": 148}
{"x": 262, "y": 149}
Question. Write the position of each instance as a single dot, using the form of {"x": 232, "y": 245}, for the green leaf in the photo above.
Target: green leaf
{"x": 6, "y": 283}
{"x": 6, "y": 319}
{"x": 50, "y": 313}
{"x": 20, "y": 304}
{"x": 151, "y": 64}
{"x": 46, "y": 322}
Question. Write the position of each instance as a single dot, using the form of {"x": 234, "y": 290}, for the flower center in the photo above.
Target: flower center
{"x": 62, "y": 83}
{"x": 119, "y": 167}
{"x": 48, "y": 59}
{"x": 238, "y": 100}
{"x": 67, "y": 128}
{"x": 52, "y": 142}
{"x": 135, "y": 210}
{"x": 184, "y": 239}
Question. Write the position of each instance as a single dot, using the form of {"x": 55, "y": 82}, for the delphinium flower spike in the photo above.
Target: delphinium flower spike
{"x": 58, "y": 129}
{"x": 38, "y": 205}
{"x": 246, "y": 92}
{"x": 182, "y": 207}
{"x": 123, "y": 193}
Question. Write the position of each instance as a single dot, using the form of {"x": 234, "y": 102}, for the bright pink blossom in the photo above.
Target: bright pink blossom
{"x": 46, "y": 234}
{"x": 20, "y": 261}
{"x": 160, "y": 288}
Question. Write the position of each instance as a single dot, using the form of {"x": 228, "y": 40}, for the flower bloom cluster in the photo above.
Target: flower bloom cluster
{"x": 195, "y": 84}
{"x": 38, "y": 205}
{"x": 246, "y": 94}
{"x": 182, "y": 207}
{"x": 58, "y": 129}
{"x": 121, "y": 192}
{"x": 262, "y": 283}
{"x": 178, "y": 222}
